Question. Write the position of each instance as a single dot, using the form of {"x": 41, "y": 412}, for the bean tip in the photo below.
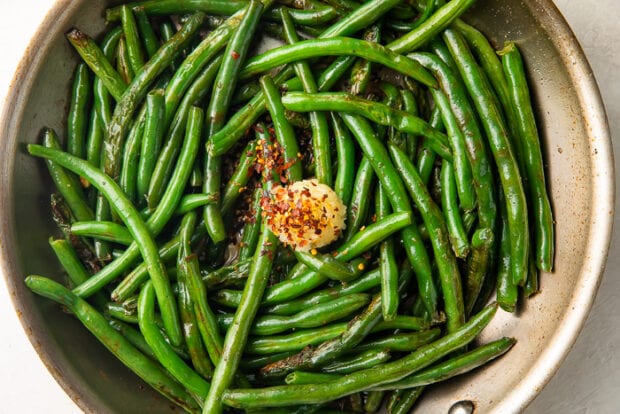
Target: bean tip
{"x": 76, "y": 36}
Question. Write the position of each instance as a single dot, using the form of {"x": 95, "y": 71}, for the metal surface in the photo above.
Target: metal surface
{"x": 580, "y": 167}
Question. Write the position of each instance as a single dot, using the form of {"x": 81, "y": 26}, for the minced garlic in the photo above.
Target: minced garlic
{"x": 305, "y": 214}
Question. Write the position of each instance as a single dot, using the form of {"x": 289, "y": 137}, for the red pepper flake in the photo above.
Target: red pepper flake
{"x": 234, "y": 55}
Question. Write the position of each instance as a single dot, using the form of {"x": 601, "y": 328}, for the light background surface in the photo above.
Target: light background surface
{"x": 587, "y": 382}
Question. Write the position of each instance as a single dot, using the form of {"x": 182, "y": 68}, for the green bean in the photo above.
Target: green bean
{"x": 94, "y": 138}
{"x": 66, "y": 184}
{"x": 497, "y": 135}
{"x": 361, "y": 71}
{"x": 227, "y": 298}
{"x": 311, "y": 17}
{"x": 68, "y": 258}
{"x": 77, "y": 118}
{"x": 165, "y": 163}
{"x": 361, "y": 284}
{"x": 375, "y": 111}
{"x": 97, "y": 62}
{"x": 132, "y": 39}
{"x": 314, "y": 317}
{"x": 401, "y": 342}
{"x": 167, "y": 30}
{"x": 167, "y": 7}
{"x": 482, "y": 241}
{"x": 300, "y": 409}
{"x": 410, "y": 106}
{"x": 237, "y": 335}
{"x": 374, "y": 401}
{"x": 237, "y": 125}
{"x": 240, "y": 177}
{"x": 359, "y": 204}
{"x": 196, "y": 179}
{"x": 190, "y": 202}
{"x": 139, "y": 231}
{"x": 283, "y": 130}
{"x": 151, "y": 141}
{"x": 440, "y": 240}
{"x": 455, "y": 366}
{"x": 365, "y": 15}
{"x": 392, "y": 99}
{"x": 224, "y": 86}
{"x": 390, "y": 179}
{"x": 328, "y": 266}
{"x": 104, "y": 230}
{"x": 338, "y": 46}
{"x": 295, "y": 341}
{"x": 133, "y": 336}
{"x": 356, "y": 331}
{"x": 357, "y": 245}
{"x": 123, "y": 66}
{"x": 164, "y": 210}
{"x": 302, "y": 377}
{"x": 102, "y": 213}
{"x": 219, "y": 7}
{"x": 251, "y": 229}
{"x": 149, "y": 38}
{"x": 388, "y": 267}
{"x": 245, "y": 117}
{"x": 393, "y": 400}
{"x": 130, "y": 284}
{"x": 345, "y": 149}
{"x": 426, "y": 156}
{"x": 480, "y": 261}
{"x": 131, "y": 159}
{"x": 427, "y": 12}
{"x": 131, "y": 97}
{"x": 462, "y": 169}
{"x": 256, "y": 362}
{"x": 102, "y": 101}
{"x": 531, "y": 153}
{"x": 507, "y": 291}
{"x": 178, "y": 369}
{"x": 281, "y": 396}
{"x": 118, "y": 311}
{"x": 334, "y": 72}
{"x": 439, "y": 49}
{"x": 200, "y": 57}
{"x": 357, "y": 362}
{"x": 187, "y": 263}
{"x": 151, "y": 372}
{"x": 407, "y": 400}
{"x": 492, "y": 66}
{"x": 71, "y": 263}
{"x": 318, "y": 121}
{"x": 404, "y": 322}
{"x": 434, "y": 25}
{"x": 227, "y": 275}
{"x": 458, "y": 236}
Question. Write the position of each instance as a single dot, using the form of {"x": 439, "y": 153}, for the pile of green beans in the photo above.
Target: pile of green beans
{"x": 424, "y": 131}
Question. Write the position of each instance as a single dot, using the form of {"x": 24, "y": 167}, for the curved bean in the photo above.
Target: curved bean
{"x": 138, "y": 229}
{"x": 531, "y": 153}
{"x": 281, "y": 396}
{"x": 165, "y": 354}
{"x": 151, "y": 372}
{"x": 338, "y": 46}
{"x": 390, "y": 179}
{"x": 497, "y": 135}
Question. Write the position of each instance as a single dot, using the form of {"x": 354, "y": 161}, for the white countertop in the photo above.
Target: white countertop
{"x": 587, "y": 382}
